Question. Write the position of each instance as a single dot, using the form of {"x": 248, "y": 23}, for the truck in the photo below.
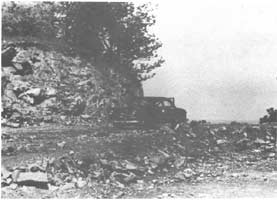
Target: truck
{"x": 149, "y": 111}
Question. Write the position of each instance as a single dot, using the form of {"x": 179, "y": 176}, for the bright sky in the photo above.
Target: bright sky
{"x": 221, "y": 57}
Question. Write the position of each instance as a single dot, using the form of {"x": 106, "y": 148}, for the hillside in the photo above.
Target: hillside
{"x": 42, "y": 84}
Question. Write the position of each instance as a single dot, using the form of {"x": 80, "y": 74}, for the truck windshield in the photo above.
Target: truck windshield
{"x": 167, "y": 104}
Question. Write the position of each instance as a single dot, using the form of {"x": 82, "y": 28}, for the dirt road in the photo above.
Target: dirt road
{"x": 216, "y": 170}
{"x": 247, "y": 184}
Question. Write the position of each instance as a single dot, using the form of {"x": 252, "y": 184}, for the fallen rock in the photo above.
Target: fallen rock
{"x": 35, "y": 92}
{"x": 50, "y": 91}
{"x": 80, "y": 183}
{"x": 259, "y": 141}
{"x": 6, "y": 182}
{"x": 221, "y": 141}
{"x": 63, "y": 117}
{"x": 61, "y": 144}
{"x": 115, "y": 164}
{"x": 118, "y": 195}
{"x": 68, "y": 186}
{"x": 118, "y": 184}
{"x": 129, "y": 165}
{"x": 85, "y": 116}
{"x": 271, "y": 155}
{"x": 52, "y": 187}
{"x": 13, "y": 186}
{"x": 179, "y": 175}
{"x": 5, "y": 173}
{"x": 188, "y": 173}
{"x": 179, "y": 162}
{"x": 31, "y": 176}
{"x": 130, "y": 178}
{"x": 157, "y": 160}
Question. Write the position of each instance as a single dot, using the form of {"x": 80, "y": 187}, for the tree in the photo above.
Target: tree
{"x": 271, "y": 117}
{"x": 114, "y": 33}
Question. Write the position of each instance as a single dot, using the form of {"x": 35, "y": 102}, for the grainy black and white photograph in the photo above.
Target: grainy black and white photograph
{"x": 139, "y": 99}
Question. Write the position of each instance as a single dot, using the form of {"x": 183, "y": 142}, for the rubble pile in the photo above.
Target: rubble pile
{"x": 41, "y": 85}
{"x": 189, "y": 153}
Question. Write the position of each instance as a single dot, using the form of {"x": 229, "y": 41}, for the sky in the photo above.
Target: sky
{"x": 220, "y": 57}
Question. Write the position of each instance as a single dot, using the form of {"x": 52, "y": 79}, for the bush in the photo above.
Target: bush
{"x": 270, "y": 117}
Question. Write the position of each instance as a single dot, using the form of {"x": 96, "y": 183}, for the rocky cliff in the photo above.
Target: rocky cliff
{"x": 41, "y": 84}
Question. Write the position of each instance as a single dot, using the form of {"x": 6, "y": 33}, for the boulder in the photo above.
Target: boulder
{"x": 221, "y": 141}
{"x": 40, "y": 177}
{"x": 34, "y": 92}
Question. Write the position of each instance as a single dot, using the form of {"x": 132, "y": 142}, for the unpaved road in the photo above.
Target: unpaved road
{"x": 244, "y": 175}
{"x": 248, "y": 184}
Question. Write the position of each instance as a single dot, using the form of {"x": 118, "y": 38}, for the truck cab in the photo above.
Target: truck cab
{"x": 149, "y": 111}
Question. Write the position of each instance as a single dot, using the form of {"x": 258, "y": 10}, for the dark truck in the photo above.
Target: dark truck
{"x": 149, "y": 111}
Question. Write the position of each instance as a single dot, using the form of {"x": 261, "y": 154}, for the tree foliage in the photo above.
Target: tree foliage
{"x": 113, "y": 33}
{"x": 35, "y": 20}
{"x": 270, "y": 117}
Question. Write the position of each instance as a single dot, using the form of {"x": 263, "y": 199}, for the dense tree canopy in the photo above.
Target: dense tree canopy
{"x": 112, "y": 33}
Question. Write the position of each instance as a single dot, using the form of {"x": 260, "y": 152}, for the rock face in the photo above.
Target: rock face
{"x": 42, "y": 85}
